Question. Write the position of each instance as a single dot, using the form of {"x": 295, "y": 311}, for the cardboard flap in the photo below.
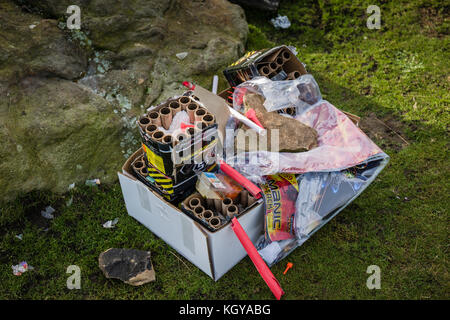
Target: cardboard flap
{"x": 216, "y": 105}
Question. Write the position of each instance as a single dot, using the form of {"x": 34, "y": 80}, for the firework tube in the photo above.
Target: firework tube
{"x": 166, "y": 117}
{"x": 144, "y": 121}
{"x": 264, "y": 71}
{"x": 286, "y": 55}
{"x": 158, "y": 135}
{"x": 194, "y": 202}
{"x": 214, "y": 222}
{"x": 198, "y": 211}
{"x": 232, "y": 211}
{"x": 209, "y": 119}
{"x": 191, "y": 109}
{"x": 244, "y": 198}
{"x": 239, "y": 178}
{"x": 175, "y": 107}
{"x": 207, "y": 214}
{"x": 259, "y": 263}
{"x": 225, "y": 204}
{"x": 155, "y": 118}
{"x": 199, "y": 114}
{"x": 150, "y": 129}
{"x": 167, "y": 139}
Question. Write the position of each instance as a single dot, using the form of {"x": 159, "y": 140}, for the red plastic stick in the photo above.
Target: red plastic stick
{"x": 185, "y": 125}
{"x": 259, "y": 263}
{"x": 251, "y": 114}
{"x": 189, "y": 85}
{"x": 239, "y": 178}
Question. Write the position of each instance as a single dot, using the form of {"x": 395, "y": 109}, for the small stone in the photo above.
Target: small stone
{"x": 129, "y": 265}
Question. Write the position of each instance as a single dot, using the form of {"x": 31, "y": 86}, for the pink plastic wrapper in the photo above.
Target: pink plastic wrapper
{"x": 341, "y": 144}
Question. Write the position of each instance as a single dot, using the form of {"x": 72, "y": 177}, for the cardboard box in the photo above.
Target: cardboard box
{"x": 250, "y": 65}
{"x": 215, "y": 253}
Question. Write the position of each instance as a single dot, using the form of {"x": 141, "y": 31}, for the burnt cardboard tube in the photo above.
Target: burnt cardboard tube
{"x": 209, "y": 119}
{"x": 286, "y": 55}
{"x": 143, "y": 171}
{"x": 194, "y": 202}
{"x": 218, "y": 205}
{"x": 210, "y": 203}
{"x": 279, "y": 61}
{"x": 251, "y": 200}
{"x": 264, "y": 71}
{"x": 198, "y": 211}
{"x": 199, "y": 114}
{"x": 150, "y": 129}
{"x": 208, "y": 214}
{"x": 225, "y": 204}
{"x": 167, "y": 139}
{"x": 232, "y": 210}
{"x": 155, "y": 118}
{"x": 144, "y": 121}
{"x": 244, "y": 198}
{"x": 138, "y": 165}
{"x": 184, "y": 102}
{"x": 273, "y": 67}
{"x": 191, "y": 109}
{"x": 158, "y": 135}
{"x": 166, "y": 117}
{"x": 214, "y": 222}
{"x": 175, "y": 107}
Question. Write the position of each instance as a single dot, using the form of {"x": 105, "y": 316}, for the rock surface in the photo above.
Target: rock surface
{"x": 269, "y": 5}
{"x": 129, "y": 265}
{"x": 294, "y": 136}
{"x": 69, "y": 98}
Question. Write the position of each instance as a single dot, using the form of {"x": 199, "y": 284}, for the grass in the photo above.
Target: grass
{"x": 396, "y": 78}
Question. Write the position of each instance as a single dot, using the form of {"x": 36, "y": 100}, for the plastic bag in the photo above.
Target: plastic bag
{"x": 341, "y": 144}
{"x": 280, "y": 194}
{"x": 300, "y": 93}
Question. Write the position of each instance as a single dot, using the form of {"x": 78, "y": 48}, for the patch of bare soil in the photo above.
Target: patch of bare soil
{"x": 431, "y": 19}
{"x": 386, "y": 131}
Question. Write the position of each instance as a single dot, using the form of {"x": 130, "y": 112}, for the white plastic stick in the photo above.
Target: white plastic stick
{"x": 215, "y": 84}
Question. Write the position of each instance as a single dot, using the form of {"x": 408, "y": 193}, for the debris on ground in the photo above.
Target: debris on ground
{"x": 19, "y": 236}
{"x": 281, "y": 22}
{"x": 20, "y": 268}
{"x": 69, "y": 202}
{"x": 71, "y": 186}
{"x": 129, "y": 265}
{"x": 48, "y": 213}
{"x": 110, "y": 223}
{"x": 182, "y": 55}
{"x": 93, "y": 182}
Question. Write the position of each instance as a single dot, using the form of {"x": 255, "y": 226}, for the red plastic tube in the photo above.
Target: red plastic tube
{"x": 259, "y": 263}
{"x": 251, "y": 114}
{"x": 239, "y": 178}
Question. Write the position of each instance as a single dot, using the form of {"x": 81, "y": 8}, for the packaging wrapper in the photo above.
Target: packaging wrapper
{"x": 280, "y": 194}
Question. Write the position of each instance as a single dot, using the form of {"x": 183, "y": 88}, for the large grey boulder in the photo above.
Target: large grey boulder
{"x": 69, "y": 98}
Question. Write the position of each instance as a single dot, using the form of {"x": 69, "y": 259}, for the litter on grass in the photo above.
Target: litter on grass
{"x": 110, "y": 223}
{"x": 48, "y": 213}
{"x": 93, "y": 182}
{"x": 281, "y": 22}
{"x": 19, "y": 236}
{"x": 20, "y": 268}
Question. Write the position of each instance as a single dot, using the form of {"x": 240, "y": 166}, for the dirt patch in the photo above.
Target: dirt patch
{"x": 386, "y": 131}
{"x": 431, "y": 20}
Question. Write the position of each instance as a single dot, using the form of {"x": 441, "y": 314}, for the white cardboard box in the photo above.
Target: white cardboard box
{"x": 213, "y": 252}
